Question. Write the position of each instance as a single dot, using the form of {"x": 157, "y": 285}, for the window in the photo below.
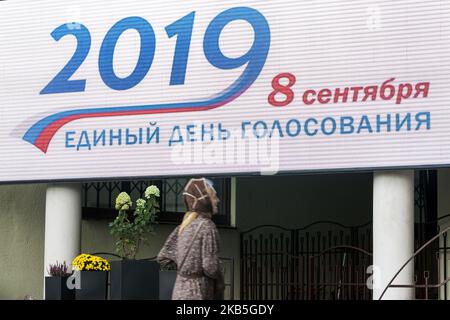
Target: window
{"x": 99, "y": 198}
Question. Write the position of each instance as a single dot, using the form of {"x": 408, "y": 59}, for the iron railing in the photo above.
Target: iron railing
{"x": 426, "y": 288}
{"x": 330, "y": 263}
{"x": 305, "y": 263}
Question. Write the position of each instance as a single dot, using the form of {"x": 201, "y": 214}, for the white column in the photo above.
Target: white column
{"x": 62, "y": 223}
{"x": 393, "y": 232}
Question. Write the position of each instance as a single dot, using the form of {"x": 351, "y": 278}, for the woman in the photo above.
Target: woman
{"x": 193, "y": 247}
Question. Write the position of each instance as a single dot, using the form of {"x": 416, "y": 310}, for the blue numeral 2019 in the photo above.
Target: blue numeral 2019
{"x": 182, "y": 29}
{"x": 146, "y": 54}
{"x": 61, "y": 83}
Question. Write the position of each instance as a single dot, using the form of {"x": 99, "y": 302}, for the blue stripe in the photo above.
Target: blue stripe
{"x": 237, "y": 88}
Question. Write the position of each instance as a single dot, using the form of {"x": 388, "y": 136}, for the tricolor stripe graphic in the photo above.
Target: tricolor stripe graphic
{"x": 42, "y": 132}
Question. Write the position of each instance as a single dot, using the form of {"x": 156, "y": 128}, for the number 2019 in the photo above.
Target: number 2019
{"x": 181, "y": 28}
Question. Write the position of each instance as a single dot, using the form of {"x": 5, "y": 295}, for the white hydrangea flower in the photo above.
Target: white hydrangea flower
{"x": 123, "y": 201}
{"x": 140, "y": 203}
{"x": 152, "y": 190}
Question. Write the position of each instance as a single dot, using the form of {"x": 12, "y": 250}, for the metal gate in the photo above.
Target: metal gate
{"x": 324, "y": 260}
{"x": 328, "y": 260}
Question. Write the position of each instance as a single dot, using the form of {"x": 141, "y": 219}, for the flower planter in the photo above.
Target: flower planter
{"x": 166, "y": 283}
{"x": 134, "y": 280}
{"x": 94, "y": 285}
{"x": 56, "y": 289}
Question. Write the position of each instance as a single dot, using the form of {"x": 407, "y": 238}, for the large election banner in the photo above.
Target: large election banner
{"x": 107, "y": 89}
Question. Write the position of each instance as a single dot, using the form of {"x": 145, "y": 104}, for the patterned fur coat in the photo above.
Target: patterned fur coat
{"x": 200, "y": 277}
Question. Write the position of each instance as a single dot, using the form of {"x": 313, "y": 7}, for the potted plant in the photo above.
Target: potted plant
{"x": 131, "y": 278}
{"x": 167, "y": 277}
{"x": 93, "y": 277}
{"x": 56, "y": 284}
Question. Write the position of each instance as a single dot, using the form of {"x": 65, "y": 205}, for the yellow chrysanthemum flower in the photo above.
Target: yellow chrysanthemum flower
{"x": 90, "y": 262}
